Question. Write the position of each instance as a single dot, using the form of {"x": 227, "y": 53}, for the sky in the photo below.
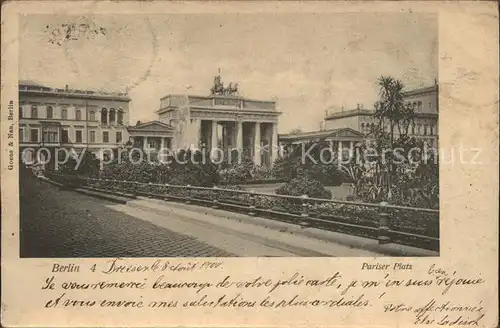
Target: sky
{"x": 308, "y": 63}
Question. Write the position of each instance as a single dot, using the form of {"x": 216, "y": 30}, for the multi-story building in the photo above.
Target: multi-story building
{"x": 76, "y": 119}
{"x": 360, "y": 121}
{"x": 425, "y": 122}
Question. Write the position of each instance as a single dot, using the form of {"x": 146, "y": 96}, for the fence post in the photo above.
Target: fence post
{"x": 215, "y": 201}
{"x": 136, "y": 190}
{"x": 252, "y": 203}
{"x": 166, "y": 193}
{"x": 188, "y": 190}
{"x": 383, "y": 224}
{"x": 304, "y": 213}
{"x": 150, "y": 189}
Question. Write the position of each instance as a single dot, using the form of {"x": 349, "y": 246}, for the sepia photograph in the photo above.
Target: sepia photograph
{"x": 229, "y": 135}
{"x": 256, "y": 164}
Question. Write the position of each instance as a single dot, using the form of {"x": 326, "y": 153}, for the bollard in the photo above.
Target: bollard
{"x": 252, "y": 203}
{"x": 383, "y": 225}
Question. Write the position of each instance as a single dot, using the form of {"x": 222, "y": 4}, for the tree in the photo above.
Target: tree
{"x": 390, "y": 107}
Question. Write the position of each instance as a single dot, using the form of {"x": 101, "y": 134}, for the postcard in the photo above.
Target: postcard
{"x": 260, "y": 164}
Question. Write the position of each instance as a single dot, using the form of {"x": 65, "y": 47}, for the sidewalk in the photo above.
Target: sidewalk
{"x": 245, "y": 235}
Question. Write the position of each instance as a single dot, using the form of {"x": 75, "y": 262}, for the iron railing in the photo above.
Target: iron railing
{"x": 418, "y": 227}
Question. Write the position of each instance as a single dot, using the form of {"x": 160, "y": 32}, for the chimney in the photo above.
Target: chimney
{"x": 138, "y": 122}
{"x": 361, "y": 106}
{"x": 66, "y": 88}
{"x": 357, "y": 106}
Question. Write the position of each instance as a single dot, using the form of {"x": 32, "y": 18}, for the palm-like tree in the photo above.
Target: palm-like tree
{"x": 391, "y": 103}
{"x": 391, "y": 108}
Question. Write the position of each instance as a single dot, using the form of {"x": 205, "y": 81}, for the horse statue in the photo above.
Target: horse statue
{"x": 218, "y": 87}
{"x": 231, "y": 90}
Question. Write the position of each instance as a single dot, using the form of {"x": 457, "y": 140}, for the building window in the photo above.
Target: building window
{"x": 105, "y": 136}
{"x": 34, "y": 111}
{"x": 34, "y": 135}
{"x": 64, "y": 114}
{"x": 78, "y": 136}
{"x": 78, "y": 115}
{"x": 65, "y": 136}
{"x": 20, "y": 111}
{"x": 418, "y": 129}
{"x": 118, "y": 137}
{"x": 431, "y": 130}
{"x": 21, "y": 135}
{"x": 92, "y": 116}
{"x": 425, "y": 129}
{"x": 413, "y": 129}
{"x": 112, "y": 116}
{"x": 50, "y": 136}
{"x": 104, "y": 116}
{"x": 120, "y": 116}
{"x": 92, "y": 136}
{"x": 419, "y": 104}
{"x": 50, "y": 112}
{"x": 430, "y": 105}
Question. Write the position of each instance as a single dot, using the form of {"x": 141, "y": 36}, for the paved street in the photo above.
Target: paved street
{"x": 62, "y": 223}
{"x": 58, "y": 223}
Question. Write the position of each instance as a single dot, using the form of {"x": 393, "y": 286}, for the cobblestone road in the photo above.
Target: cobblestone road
{"x": 59, "y": 223}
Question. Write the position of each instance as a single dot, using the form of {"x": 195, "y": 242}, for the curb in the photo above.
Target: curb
{"x": 90, "y": 193}
{"x": 352, "y": 241}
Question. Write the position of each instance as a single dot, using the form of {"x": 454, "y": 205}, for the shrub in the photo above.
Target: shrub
{"x": 88, "y": 166}
{"x": 315, "y": 165}
{"x": 304, "y": 186}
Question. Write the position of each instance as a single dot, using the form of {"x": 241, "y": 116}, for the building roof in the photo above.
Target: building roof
{"x": 196, "y": 97}
{"x": 342, "y": 132}
{"x": 421, "y": 90}
{"x": 32, "y": 87}
{"x": 351, "y": 112}
{"x": 171, "y": 102}
{"x": 369, "y": 112}
{"x": 31, "y": 83}
{"x": 151, "y": 126}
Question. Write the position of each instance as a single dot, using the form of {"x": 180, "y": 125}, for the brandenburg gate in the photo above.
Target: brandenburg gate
{"x": 223, "y": 120}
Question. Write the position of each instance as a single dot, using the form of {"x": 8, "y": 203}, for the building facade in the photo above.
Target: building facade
{"x": 223, "y": 122}
{"x": 151, "y": 136}
{"x": 341, "y": 141}
{"x": 76, "y": 119}
{"x": 425, "y": 122}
